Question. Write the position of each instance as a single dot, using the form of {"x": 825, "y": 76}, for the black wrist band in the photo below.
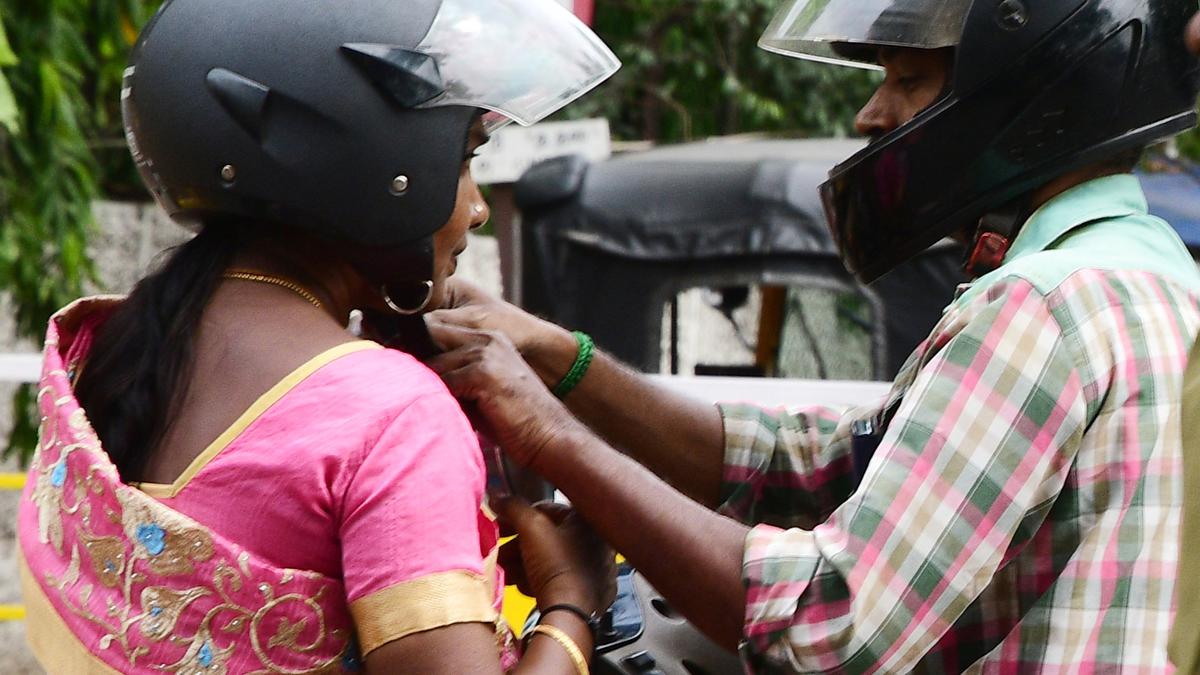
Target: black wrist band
{"x": 592, "y": 620}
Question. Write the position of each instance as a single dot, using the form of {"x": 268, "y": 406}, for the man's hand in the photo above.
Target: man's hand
{"x": 514, "y": 407}
{"x": 550, "y": 349}
{"x": 556, "y": 558}
{"x": 681, "y": 439}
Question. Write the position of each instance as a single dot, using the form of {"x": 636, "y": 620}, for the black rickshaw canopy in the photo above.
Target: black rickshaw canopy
{"x": 607, "y": 244}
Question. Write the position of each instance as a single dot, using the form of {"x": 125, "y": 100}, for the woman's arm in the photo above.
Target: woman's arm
{"x": 461, "y": 648}
{"x": 559, "y": 561}
{"x": 417, "y": 551}
{"x": 675, "y": 436}
{"x": 471, "y": 648}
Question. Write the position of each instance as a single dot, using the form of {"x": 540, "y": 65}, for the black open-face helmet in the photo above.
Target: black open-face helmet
{"x": 348, "y": 119}
{"x": 1039, "y": 88}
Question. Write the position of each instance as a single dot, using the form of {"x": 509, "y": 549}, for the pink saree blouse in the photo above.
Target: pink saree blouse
{"x": 342, "y": 511}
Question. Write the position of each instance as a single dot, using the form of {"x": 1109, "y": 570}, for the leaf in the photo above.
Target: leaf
{"x": 7, "y": 56}
{"x": 9, "y": 115}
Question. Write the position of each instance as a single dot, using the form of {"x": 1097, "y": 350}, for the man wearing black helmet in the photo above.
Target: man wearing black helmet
{"x": 1015, "y": 501}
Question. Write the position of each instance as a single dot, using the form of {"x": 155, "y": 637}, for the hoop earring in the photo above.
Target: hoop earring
{"x": 405, "y": 311}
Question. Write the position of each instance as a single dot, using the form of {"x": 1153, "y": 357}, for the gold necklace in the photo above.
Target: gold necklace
{"x": 276, "y": 281}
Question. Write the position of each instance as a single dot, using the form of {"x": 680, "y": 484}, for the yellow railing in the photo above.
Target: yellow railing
{"x": 12, "y": 482}
{"x": 12, "y": 613}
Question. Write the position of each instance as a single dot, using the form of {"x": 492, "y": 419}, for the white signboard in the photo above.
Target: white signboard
{"x": 513, "y": 149}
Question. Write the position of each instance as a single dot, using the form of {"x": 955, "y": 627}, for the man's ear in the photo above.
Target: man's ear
{"x": 1193, "y": 35}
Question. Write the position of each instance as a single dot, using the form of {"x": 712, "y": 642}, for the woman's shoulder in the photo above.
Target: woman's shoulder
{"x": 370, "y": 360}
{"x": 389, "y": 406}
{"x": 365, "y": 374}
{"x": 351, "y": 398}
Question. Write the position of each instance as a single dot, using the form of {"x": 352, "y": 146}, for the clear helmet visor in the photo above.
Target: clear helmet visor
{"x": 830, "y": 30}
{"x": 522, "y": 60}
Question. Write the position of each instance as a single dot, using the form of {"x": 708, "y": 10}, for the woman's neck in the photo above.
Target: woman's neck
{"x": 309, "y": 264}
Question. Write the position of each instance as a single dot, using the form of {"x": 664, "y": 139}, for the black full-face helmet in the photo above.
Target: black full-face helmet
{"x": 1039, "y": 88}
{"x": 348, "y": 119}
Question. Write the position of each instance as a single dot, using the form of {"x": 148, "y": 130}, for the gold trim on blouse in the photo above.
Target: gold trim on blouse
{"x": 52, "y": 642}
{"x": 415, "y": 606}
{"x": 264, "y": 403}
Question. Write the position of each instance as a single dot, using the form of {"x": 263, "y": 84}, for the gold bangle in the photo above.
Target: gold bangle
{"x": 567, "y": 643}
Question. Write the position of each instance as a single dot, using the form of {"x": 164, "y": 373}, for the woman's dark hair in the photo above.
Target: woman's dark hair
{"x": 139, "y": 367}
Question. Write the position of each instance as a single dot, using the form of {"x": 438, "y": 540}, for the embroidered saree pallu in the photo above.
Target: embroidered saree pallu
{"x": 117, "y": 582}
{"x": 204, "y": 576}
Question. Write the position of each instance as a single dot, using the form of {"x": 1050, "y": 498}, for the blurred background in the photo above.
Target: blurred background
{"x": 685, "y": 222}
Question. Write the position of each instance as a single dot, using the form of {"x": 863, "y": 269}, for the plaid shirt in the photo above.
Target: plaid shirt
{"x": 1021, "y": 511}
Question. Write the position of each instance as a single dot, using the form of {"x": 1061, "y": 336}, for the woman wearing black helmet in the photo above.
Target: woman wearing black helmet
{"x": 227, "y": 479}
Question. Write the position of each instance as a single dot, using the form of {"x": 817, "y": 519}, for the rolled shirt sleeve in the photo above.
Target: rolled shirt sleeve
{"x": 967, "y": 469}
{"x": 786, "y": 467}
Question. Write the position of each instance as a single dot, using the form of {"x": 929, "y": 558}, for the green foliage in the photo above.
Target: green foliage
{"x": 1189, "y": 145}
{"x": 66, "y": 87}
{"x": 8, "y": 104}
{"x": 693, "y": 69}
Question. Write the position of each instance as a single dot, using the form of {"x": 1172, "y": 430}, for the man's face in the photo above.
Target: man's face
{"x": 915, "y": 79}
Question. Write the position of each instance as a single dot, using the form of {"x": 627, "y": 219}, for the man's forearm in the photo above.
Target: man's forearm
{"x": 677, "y": 544}
{"x": 677, "y": 437}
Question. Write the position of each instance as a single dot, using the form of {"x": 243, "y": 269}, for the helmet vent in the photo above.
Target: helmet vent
{"x": 244, "y": 99}
{"x": 409, "y": 78}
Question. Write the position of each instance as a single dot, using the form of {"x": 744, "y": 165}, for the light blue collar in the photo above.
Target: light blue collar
{"x": 1101, "y": 224}
{"x": 1100, "y": 199}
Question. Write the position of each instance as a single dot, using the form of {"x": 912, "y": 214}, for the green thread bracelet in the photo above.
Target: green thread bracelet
{"x": 583, "y": 361}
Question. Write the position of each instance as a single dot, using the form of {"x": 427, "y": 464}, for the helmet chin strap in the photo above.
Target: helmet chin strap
{"x": 994, "y": 236}
{"x": 407, "y": 333}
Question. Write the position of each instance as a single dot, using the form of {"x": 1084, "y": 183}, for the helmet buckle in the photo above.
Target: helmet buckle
{"x": 988, "y": 254}
{"x": 993, "y": 239}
